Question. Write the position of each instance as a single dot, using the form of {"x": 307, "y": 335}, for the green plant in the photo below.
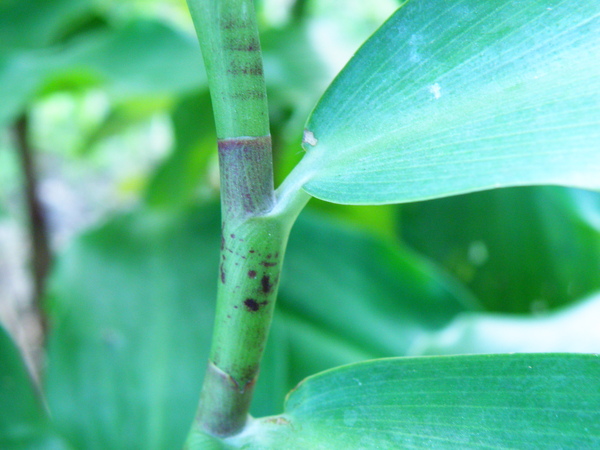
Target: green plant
{"x": 442, "y": 100}
{"x": 377, "y": 136}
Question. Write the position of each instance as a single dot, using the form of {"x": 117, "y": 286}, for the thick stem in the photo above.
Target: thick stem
{"x": 253, "y": 242}
{"x": 228, "y": 36}
{"x": 251, "y": 260}
{"x": 245, "y": 166}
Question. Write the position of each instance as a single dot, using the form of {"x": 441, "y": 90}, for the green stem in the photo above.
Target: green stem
{"x": 228, "y": 36}
{"x": 254, "y": 231}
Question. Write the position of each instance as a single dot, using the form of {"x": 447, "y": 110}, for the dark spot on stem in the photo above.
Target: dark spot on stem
{"x": 266, "y": 284}
{"x": 251, "y": 251}
{"x": 269, "y": 256}
{"x": 247, "y": 94}
{"x": 232, "y": 236}
{"x": 236, "y": 68}
{"x": 252, "y": 273}
{"x": 222, "y": 270}
{"x": 268, "y": 264}
{"x": 222, "y": 242}
{"x": 252, "y": 305}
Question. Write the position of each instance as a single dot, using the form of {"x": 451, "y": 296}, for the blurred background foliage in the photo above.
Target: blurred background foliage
{"x": 109, "y": 230}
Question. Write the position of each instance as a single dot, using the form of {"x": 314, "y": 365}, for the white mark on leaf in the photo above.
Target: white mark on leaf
{"x": 436, "y": 90}
{"x": 309, "y": 138}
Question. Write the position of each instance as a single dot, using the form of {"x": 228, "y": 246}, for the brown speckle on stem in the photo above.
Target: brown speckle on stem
{"x": 252, "y": 273}
{"x": 252, "y": 305}
{"x": 268, "y": 264}
{"x": 266, "y": 284}
{"x": 222, "y": 270}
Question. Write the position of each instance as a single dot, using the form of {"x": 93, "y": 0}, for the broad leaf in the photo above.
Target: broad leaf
{"x": 486, "y": 401}
{"x": 132, "y": 308}
{"x": 38, "y": 23}
{"x": 23, "y": 420}
{"x": 519, "y": 249}
{"x": 361, "y": 283}
{"x": 143, "y": 58}
{"x": 450, "y": 97}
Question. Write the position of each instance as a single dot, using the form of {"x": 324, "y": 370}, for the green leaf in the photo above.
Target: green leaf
{"x": 23, "y": 421}
{"x": 20, "y": 76}
{"x": 361, "y": 283}
{"x": 453, "y": 97}
{"x": 177, "y": 180}
{"x": 519, "y": 249}
{"x": 27, "y": 26}
{"x": 38, "y": 23}
{"x": 485, "y": 401}
{"x": 132, "y": 309}
{"x": 144, "y": 57}
{"x": 571, "y": 329}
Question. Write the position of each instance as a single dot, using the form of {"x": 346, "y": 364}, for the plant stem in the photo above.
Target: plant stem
{"x": 253, "y": 236}
{"x": 228, "y": 36}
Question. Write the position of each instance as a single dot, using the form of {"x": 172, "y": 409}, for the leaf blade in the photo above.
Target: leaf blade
{"x": 461, "y": 97}
{"x": 481, "y": 401}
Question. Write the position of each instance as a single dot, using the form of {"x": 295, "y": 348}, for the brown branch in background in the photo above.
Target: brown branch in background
{"x": 38, "y": 230}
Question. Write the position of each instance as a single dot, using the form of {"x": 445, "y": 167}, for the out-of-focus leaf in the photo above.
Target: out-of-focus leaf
{"x": 518, "y": 249}
{"x": 573, "y": 329}
{"x": 27, "y": 28}
{"x": 451, "y": 97}
{"x": 124, "y": 115}
{"x": 346, "y": 296}
{"x": 144, "y": 57}
{"x": 20, "y": 76}
{"x": 486, "y": 401}
{"x": 132, "y": 308}
{"x": 296, "y": 77}
{"x": 292, "y": 66}
{"x": 179, "y": 177}
{"x": 24, "y": 423}
{"x": 360, "y": 283}
{"x": 38, "y": 23}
